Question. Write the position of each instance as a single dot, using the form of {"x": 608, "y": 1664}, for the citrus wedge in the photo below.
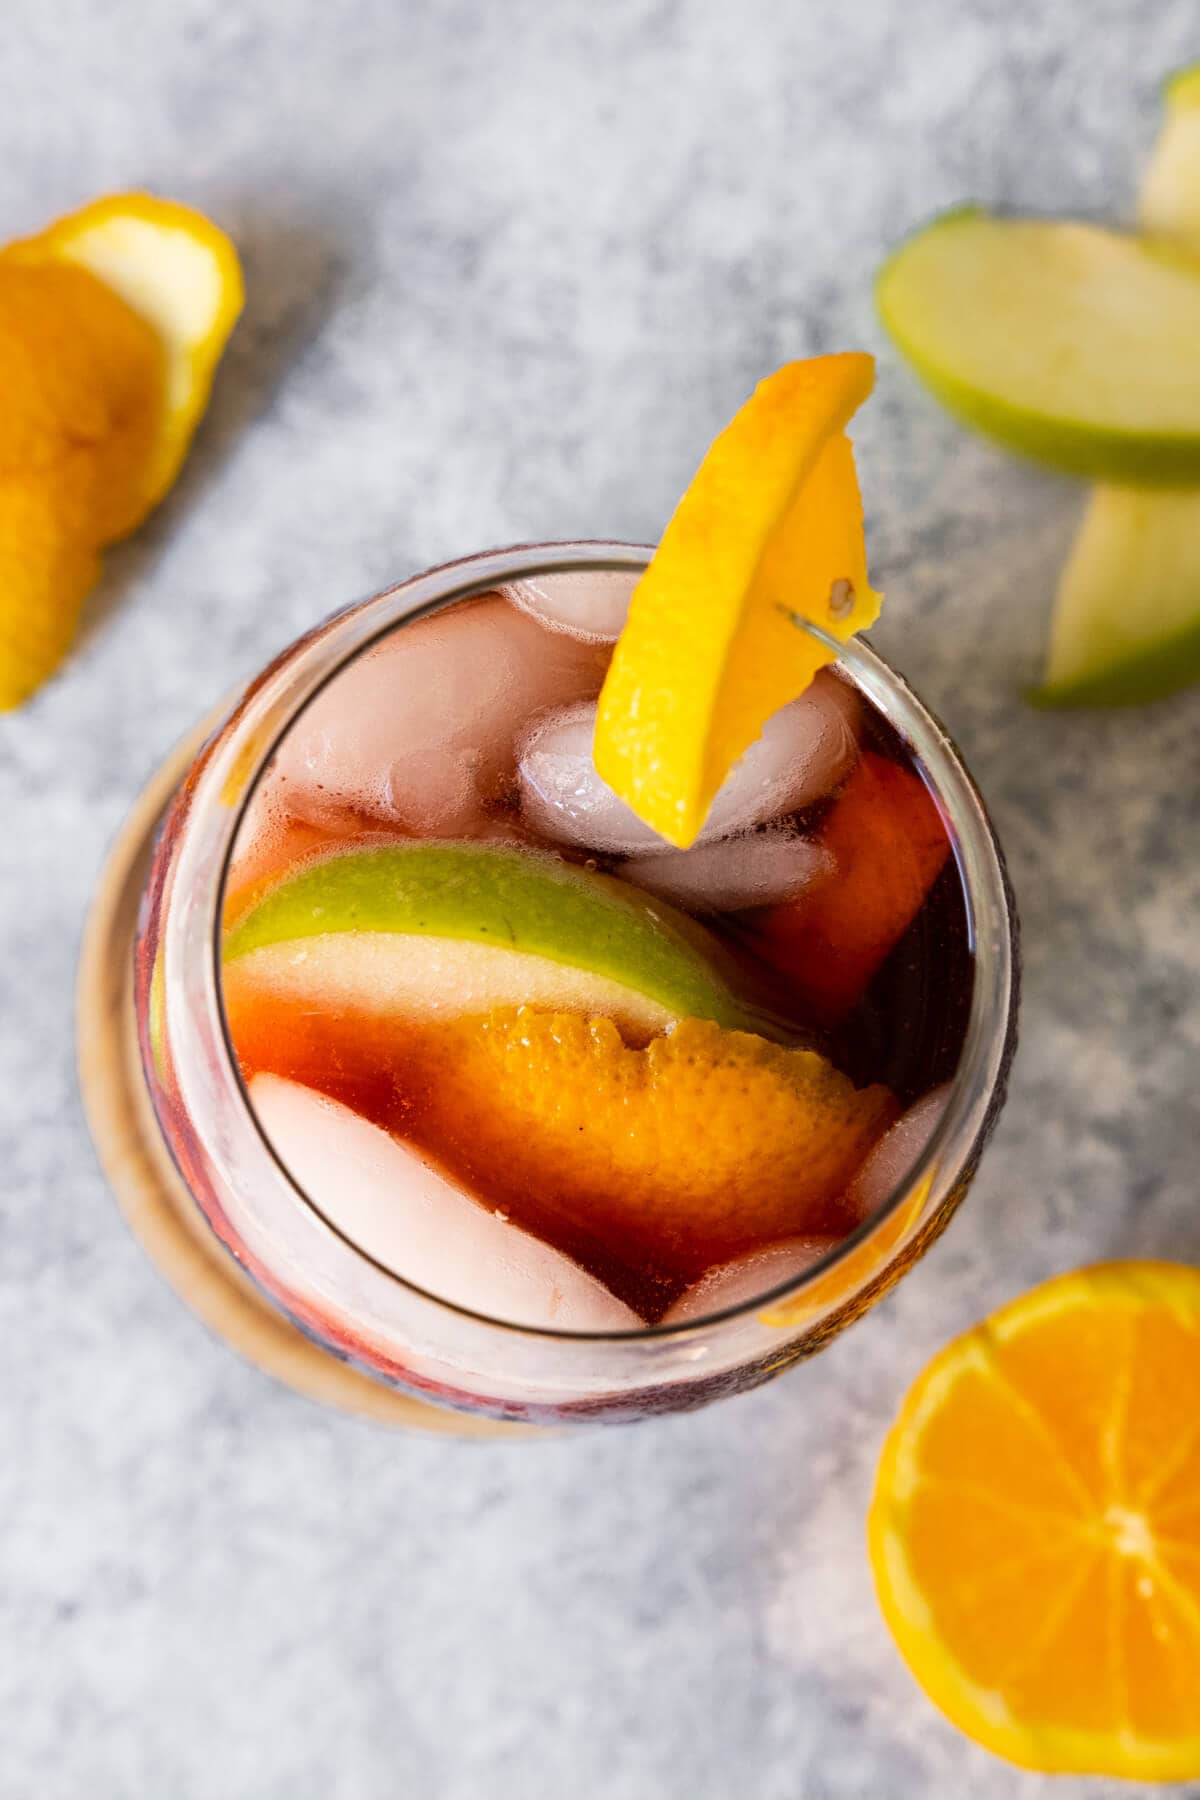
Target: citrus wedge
{"x": 1035, "y": 1528}
{"x": 887, "y": 844}
{"x": 1068, "y": 343}
{"x": 1126, "y": 624}
{"x": 111, "y": 323}
{"x": 180, "y": 273}
{"x": 770, "y": 528}
{"x": 700, "y": 1145}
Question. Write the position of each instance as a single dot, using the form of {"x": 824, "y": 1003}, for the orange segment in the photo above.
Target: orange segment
{"x": 889, "y": 844}
{"x": 1035, "y": 1528}
{"x": 770, "y": 526}
{"x": 703, "y": 1144}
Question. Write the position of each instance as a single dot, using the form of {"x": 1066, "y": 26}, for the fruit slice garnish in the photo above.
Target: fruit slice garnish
{"x": 179, "y": 273}
{"x": 417, "y": 927}
{"x": 109, "y": 331}
{"x": 1068, "y": 343}
{"x": 1035, "y": 1529}
{"x": 887, "y": 844}
{"x": 1126, "y": 624}
{"x": 770, "y": 527}
{"x": 701, "y": 1145}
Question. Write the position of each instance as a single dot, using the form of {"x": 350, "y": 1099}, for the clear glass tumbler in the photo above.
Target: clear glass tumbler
{"x": 365, "y": 1312}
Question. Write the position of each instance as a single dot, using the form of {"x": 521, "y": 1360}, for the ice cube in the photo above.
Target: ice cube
{"x": 746, "y": 1277}
{"x": 421, "y": 732}
{"x": 409, "y": 1217}
{"x": 589, "y": 604}
{"x": 760, "y": 869}
{"x": 803, "y": 752}
{"x": 894, "y": 1155}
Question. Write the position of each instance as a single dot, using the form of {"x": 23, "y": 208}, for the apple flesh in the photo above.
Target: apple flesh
{"x": 423, "y": 927}
{"x": 1070, "y": 344}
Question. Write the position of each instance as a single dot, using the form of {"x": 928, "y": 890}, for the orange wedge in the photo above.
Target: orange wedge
{"x": 111, "y": 324}
{"x": 1035, "y": 1529}
{"x": 770, "y": 527}
{"x": 705, "y": 1143}
{"x": 889, "y": 845}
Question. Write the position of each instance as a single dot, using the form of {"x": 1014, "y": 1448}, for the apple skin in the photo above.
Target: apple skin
{"x": 512, "y": 899}
{"x": 999, "y": 374}
{"x": 1126, "y": 626}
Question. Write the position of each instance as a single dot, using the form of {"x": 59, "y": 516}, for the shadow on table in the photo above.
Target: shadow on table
{"x": 294, "y": 277}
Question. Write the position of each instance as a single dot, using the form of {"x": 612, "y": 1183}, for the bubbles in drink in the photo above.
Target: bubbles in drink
{"x": 406, "y": 1215}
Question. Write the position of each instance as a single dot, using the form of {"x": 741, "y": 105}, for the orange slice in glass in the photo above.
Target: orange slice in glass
{"x": 770, "y": 529}
{"x": 1035, "y": 1529}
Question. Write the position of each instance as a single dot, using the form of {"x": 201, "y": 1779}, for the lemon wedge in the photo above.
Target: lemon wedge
{"x": 769, "y": 531}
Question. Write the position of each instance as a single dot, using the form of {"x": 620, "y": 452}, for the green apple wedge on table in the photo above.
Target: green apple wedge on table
{"x": 1126, "y": 624}
{"x": 1080, "y": 347}
{"x": 394, "y": 930}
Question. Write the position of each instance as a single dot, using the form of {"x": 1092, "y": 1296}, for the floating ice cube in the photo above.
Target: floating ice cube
{"x": 746, "y": 1277}
{"x": 760, "y": 869}
{"x": 421, "y": 732}
{"x": 895, "y": 1154}
{"x": 590, "y": 604}
{"x": 803, "y": 752}
{"x": 410, "y": 1218}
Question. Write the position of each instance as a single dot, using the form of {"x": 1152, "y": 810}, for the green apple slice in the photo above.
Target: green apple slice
{"x": 1169, "y": 204}
{"x": 425, "y": 927}
{"x": 1126, "y": 624}
{"x": 1068, "y": 343}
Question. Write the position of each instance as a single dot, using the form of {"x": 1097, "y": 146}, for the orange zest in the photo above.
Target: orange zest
{"x": 1035, "y": 1529}
{"x": 770, "y": 528}
{"x": 111, "y": 324}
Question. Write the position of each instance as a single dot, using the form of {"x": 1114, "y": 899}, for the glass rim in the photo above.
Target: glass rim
{"x": 990, "y": 1031}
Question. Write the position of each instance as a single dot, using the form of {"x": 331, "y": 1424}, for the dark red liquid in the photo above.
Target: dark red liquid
{"x": 875, "y": 969}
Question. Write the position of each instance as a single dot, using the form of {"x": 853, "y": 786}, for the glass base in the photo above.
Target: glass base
{"x": 148, "y": 1188}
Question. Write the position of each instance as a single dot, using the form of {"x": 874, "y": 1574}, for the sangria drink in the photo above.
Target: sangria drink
{"x": 511, "y": 1101}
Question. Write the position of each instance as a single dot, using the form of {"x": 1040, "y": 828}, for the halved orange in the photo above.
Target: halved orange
{"x": 1035, "y": 1528}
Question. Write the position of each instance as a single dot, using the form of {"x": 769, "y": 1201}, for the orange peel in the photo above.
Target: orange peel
{"x": 700, "y": 1145}
{"x": 769, "y": 531}
{"x": 112, "y": 322}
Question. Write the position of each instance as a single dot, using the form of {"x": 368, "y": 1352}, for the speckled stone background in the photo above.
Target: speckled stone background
{"x": 509, "y": 268}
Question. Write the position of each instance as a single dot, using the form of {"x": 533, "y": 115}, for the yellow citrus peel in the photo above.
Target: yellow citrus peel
{"x": 112, "y": 322}
{"x": 770, "y": 528}
{"x": 1035, "y": 1529}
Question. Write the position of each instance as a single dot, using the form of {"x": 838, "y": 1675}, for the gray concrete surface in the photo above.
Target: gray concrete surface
{"x": 509, "y": 268}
